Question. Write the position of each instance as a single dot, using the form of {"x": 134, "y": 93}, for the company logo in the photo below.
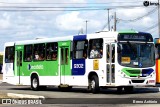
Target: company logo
{"x": 147, "y": 3}
{"x": 140, "y": 65}
{"x": 6, "y": 101}
{"x": 31, "y": 67}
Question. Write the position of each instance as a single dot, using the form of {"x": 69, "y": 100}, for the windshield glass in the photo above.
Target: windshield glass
{"x": 136, "y": 55}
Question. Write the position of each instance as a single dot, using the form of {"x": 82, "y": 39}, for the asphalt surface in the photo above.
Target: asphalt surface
{"x": 79, "y": 96}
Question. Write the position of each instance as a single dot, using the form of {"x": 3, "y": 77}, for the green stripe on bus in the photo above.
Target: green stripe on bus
{"x": 131, "y": 72}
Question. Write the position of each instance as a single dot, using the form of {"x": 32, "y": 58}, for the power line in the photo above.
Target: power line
{"x": 138, "y": 18}
{"x": 59, "y": 8}
{"x": 138, "y": 1}
{"x": 126, "y": 6}
{"x": 151, "y": 27}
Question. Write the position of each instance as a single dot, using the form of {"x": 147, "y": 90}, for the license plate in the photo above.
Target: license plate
{"x": 151, "y": 81}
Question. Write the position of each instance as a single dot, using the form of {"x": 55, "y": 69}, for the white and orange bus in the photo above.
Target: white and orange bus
{"x": 157, "y": 45}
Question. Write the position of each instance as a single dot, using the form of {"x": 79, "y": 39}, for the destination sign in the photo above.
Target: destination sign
{"x": 132, "y": 37}
{"x": 135, "y": 37}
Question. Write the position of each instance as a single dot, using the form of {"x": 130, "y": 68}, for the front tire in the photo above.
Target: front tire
{"x": 35, "y": 83}
{"x": 94, "y": 84}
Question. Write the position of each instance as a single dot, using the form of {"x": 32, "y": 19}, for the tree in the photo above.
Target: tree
{"x": 1, "y": 59}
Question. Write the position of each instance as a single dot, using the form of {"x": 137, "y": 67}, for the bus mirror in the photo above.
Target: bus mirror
{"x": 156, "y": 53}
{"x": 156, "y": 56}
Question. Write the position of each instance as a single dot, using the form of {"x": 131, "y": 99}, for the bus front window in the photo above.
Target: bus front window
{"x": 136, "y": 55}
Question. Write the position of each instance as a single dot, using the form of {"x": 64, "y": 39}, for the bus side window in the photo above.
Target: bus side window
{"x": 28, "y": 53}
{"x": 9, "y": 54}
{"x": 80, "y": 49}
{"x": 95, "y": 48}
{"x": 51, "y": 51}
{"x": 39, "y": 52}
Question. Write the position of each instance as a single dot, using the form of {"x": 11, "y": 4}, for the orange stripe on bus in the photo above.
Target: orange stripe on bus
{"x": 158, "y": 71}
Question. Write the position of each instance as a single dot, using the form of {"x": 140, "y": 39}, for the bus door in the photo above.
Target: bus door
{"x": 19, "y": 63}
{"x": 64, "y": 63}
{"x": 110, "y": 66}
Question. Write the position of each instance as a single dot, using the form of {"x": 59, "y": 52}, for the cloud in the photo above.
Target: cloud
{"x": 131, "y": 13}
{"x": 69, "y": 21}
{"x": 28, "y": 25}
{"x": 4, "y": 24}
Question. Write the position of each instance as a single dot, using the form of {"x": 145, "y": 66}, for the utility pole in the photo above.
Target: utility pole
{"x": 86, "y": 26}
{"x": 108, "y": 21}
{"x": 115, "y": 22}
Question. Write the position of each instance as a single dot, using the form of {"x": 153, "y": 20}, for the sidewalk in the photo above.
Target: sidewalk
{"x": 3, "y": 95}
{"x": 1, "y": 77}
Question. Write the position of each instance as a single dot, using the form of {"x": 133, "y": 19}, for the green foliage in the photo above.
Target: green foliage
{"x": 1, "y": 59}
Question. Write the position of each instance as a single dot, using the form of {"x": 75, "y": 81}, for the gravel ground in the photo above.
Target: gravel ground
{"x": 1, "y": 76}
{"x": 3, "y": 95}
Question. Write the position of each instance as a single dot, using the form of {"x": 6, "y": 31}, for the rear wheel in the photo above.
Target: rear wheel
{"x": 35, "y": 83}
{"x": 94, "y": 84}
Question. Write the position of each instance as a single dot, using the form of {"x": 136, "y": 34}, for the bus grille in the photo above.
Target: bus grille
{"x": 137, "y": 81}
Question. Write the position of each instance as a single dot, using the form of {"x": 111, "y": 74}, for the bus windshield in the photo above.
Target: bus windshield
{"x": 137, "y": 55}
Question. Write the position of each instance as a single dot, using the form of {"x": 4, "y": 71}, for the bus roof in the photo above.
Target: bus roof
{"x": 55, "y": 39}
{"x": 110, "y": 34}
{"x": 132, "y": 31}
{"x": 102, "y": 34}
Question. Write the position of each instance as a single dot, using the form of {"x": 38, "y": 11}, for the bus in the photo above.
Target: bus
{"x": 120, "y": 59}
{"x": 157, "y": 46}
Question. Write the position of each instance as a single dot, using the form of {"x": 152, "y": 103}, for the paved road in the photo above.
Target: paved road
{"x": 81, "y": 95}
{"x": 81, "y": 92}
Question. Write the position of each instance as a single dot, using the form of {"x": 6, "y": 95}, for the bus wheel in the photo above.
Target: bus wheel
{"x": 35, "y": 83}
{"x": 128, "y": 89}
{"x": 94, "y": 84}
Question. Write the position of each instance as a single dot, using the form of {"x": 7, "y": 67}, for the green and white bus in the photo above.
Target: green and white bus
{"x": 121, "y": 59}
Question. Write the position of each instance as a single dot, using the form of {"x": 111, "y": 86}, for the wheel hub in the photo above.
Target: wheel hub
{"x": 35, "y": 82}
{"x": 93, "y": 84}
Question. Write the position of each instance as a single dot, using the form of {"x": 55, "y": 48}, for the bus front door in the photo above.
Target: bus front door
{"x": 19, "y": 64}
{"x": 110, "y": 66}
{"x": 64, "y": 64}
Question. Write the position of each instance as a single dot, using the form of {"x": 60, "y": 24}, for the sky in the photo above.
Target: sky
{"x": 29, "y": 19}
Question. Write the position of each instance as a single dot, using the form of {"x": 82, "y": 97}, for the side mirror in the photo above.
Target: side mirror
{"x": 156, "y": 53}
{"x": 119, "y": 49}
{"x": 156, "y": 56}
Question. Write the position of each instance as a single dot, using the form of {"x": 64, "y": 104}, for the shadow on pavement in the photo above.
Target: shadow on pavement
{"x": 84, "y": 90}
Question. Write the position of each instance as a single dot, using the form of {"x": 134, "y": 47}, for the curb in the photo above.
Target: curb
{"x": 15, "y": 95}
